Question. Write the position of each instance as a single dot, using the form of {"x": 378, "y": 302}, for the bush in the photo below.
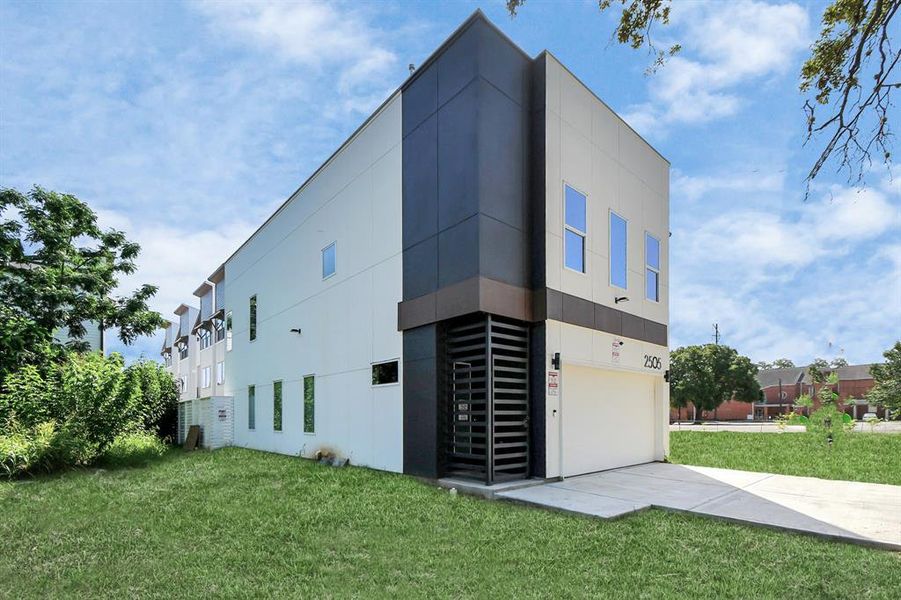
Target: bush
{"x": 42, "y": 449}
{"x": 134, "y": 450}
{"x": 156, "y": 408}
{"x": 75, "y": 409}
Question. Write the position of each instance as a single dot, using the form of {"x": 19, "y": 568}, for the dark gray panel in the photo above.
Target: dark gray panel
{"x": 459, "y": 63}
{"x": 578, "y": 311}
{"x": 458, "y": 189}
{"x": 502, "y": 252}
{"x": 420, "y": 183}
{"x": 421, "y": 342}
{"x": 502, "y": 135}
{"x": 503, "y": 65}
{"x": 458, "y": 252}
{"x": 608, "y": 319}
{"x": 419, "y": 100}
{"x": 420, "y": 267}
{"x": 633, "y": 326}
{"x": 421, "y": 429}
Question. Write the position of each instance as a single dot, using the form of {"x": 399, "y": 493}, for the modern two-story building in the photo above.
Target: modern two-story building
{"x": 474, "y": 284}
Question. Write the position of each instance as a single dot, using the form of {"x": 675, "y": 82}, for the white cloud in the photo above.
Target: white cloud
{"x": 724, "y": 45}
{"x": 693, "y": 187}
{"x": 329, "y": 38}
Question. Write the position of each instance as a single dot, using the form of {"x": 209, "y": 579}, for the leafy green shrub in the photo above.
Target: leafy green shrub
{"x": 156, "y": 409}
{"x": 89, "y": 401}
{"x": 42, "y": 449}
{"x": 134, "y": 450}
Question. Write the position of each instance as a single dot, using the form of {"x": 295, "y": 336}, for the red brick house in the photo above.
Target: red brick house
{"x": 781, "y": 389}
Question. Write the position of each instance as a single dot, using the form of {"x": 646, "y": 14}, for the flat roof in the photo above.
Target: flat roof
{"x": 477, "y": 15}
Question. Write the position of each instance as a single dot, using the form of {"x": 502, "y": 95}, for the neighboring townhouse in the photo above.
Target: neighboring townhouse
{"x": 475, "y": 284}
{"x": 93, "y": 339}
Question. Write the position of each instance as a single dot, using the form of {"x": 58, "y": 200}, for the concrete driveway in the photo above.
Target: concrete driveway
{"x": 866, "y": 513}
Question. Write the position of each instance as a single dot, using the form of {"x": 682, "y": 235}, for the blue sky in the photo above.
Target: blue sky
{"x": 186, "y": 123}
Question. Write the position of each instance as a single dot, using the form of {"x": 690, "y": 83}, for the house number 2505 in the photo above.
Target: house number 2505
{"x": 652, "y": 362}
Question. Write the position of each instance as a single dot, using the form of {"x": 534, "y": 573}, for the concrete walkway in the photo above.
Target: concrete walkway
{"x": 866, "y": 513}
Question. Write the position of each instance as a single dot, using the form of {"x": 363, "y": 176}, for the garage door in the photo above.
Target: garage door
{"x": 608, "y": 419}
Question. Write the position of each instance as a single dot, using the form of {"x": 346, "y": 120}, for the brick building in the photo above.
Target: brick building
{"x": 781, "y": 389}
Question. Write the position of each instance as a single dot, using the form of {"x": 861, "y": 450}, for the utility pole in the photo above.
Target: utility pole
{"x": 716, "y": 333}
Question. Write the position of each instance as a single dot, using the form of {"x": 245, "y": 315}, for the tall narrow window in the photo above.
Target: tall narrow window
{"x": 205, "y": 377}
{"x": 220, "y": 372}
{"x": 253, "y": 317}
{"x": 652, "y": 267}
{"x": 277, "y": 406}
{"x": 251, "y": 407}
{"x": 329, "y": 260}
{"x": 228, "y": 330}
{"x": 309, "y": 404}
{"x": 574, "y": 231}
{"x": 618, "y": 264}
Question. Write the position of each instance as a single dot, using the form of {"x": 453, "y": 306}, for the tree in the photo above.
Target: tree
{"x": 838, "y": 363}
{"x": 887, "y": 377}
{"x": 849, "y": 75}
{"x": 819, "y": 364}
{"x": 708, "y": 375}
{"x": 59, "y": 269}
{"x": 763, "y": 365}
{"x": 783, "y": 363}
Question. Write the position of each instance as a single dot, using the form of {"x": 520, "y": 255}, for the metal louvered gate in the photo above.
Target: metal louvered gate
{"x": 488, "y": 410}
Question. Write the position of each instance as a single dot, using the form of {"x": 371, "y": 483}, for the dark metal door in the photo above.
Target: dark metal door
{"x": 488, "y": 428}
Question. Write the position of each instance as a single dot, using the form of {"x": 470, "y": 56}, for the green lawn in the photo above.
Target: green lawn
{"x": 857, "y": 456}
{"x": 238, "y": 523}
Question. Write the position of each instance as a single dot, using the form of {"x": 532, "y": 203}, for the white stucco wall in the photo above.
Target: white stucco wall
{"x": 590, "y": 148}
{"x": 348, "y": 321}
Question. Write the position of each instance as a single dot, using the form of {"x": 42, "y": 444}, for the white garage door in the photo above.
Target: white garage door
{"x": 608, "y": 419}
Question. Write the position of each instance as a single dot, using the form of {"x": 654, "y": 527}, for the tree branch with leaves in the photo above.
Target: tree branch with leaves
{"x": 851, "y": 73}
{"x": 59, "y": 269}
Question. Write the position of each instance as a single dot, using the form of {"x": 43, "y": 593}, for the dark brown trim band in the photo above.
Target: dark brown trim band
{"x": 480, "y": 294}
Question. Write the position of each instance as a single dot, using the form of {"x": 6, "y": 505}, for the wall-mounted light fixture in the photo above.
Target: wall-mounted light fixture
{"x": 619, "y": 299}
{"x": 296, "y": 330}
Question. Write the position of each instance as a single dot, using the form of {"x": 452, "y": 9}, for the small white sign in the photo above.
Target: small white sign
{"x": 614, "y": 353}
{"x": 553, "y": 383}
{"x": 223, "y": 414}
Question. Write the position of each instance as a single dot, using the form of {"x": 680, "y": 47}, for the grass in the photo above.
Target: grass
{"x": 238, "y": 523}
{"x": 856, "y": 456}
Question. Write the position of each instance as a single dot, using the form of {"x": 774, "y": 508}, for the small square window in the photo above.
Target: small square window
{"x": 384, "y": 373}
{"x": 329, "y": 260}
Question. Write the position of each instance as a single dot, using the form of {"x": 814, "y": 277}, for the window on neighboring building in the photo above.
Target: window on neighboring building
{"x": 228, "y": 331}
{"x": 253, "y": 317}
{"x": 575, "y": 229}
{"x": 183, "y": 351}
{"x": 329, "y": 260}
{"x": 220, "y": 330}
{"x": 251, "y": 407}
{"x": 220, "y": 372}
{"x": 652, "y": 267}
{"x": 277, "y": 405}
{"x": 205, "y": 377}
{"x": 618, "y": 264}
{"x": 384, "y": 373}
{"x": 205, "y": 338}
{"x": 309, "y": 404}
